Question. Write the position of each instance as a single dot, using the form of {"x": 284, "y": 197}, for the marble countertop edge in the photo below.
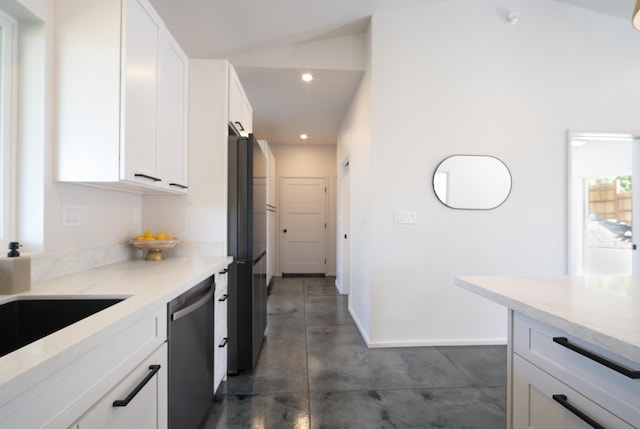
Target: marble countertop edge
{"x": 165, "y": 280}
{"x": 628, "y": 348}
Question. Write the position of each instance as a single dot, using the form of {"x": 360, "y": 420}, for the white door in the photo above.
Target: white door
{"x": 303, "y": 226}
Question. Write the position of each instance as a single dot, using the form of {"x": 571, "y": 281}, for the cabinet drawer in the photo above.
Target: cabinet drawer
{"x": 146, "y": 409}
{"x": 220, "y": 360}
{"x": 221, "y": 280}
{"x": 534, "y": 405}
{"x": 614, "y": 391}
{"x": 220, "y": 324}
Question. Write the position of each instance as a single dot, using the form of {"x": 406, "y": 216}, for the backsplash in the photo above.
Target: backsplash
{"x": 49, "y": 265}
{"x": 193, "y": 248}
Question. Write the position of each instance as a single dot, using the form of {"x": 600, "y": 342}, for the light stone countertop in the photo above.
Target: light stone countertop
{"x": 148, "y": 285}
{"x": 603, "y": 310}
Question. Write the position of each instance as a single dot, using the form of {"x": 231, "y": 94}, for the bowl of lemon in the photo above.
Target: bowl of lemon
{"x": 154, "y": 244}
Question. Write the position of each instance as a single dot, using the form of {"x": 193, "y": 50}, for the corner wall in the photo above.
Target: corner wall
{"x": 455, "y": 78}
{"x": 354, "y": 145}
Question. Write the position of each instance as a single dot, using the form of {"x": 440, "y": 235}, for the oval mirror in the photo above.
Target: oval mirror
{"x": 476, "y": 182}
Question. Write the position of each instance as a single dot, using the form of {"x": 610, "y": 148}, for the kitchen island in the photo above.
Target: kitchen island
{"x": 574, "y": 349}
{"x": 53, "y": 381}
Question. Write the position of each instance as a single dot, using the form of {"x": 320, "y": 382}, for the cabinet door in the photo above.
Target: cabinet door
{"x": 534, "y": 405}
{"x": 146, "y": 410}
{"x": 239, "y": 108}
{"x": 172, "y": 111}
{"x": 271, "y": 180}
{"x": 220, "y": 330}
{"x": 139, "y": 116}
{"x": 247, "y": 116}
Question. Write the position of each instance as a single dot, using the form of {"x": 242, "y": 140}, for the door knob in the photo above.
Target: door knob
{"x": 284, "y": 230}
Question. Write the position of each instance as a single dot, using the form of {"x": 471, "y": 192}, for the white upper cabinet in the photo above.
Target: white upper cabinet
{"x": 172, "y": 114}
{"x": 240, "y": 111}
{"x": 121, "y": 97}
{"x": 140, "y": 95}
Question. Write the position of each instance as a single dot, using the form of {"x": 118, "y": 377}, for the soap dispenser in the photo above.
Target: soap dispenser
{"x": 15, "y": 271}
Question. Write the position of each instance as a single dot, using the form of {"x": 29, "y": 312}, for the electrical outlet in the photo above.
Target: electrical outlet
{"x": 405, "y": 217}
{"x": 74, "y": 215}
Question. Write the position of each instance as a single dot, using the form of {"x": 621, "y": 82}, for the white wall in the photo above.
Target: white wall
{"x": 354, "y": 145}
{"x": 199, "y": 218}
{"x": 301, "y": 160}
{"x": 339, "y": 53}
{"x": 461, "y": 80}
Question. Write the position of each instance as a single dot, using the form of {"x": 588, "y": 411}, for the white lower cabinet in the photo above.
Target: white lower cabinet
{"x": 137, "y": 401}
{"x": 554, "y": 385}
{"x": 220, "y": 330}
{"x": 77, "y": 394}
{"x": 542, "y": 402}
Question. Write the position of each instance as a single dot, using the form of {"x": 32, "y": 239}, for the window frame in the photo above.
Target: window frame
{"x": 8, "y": 145}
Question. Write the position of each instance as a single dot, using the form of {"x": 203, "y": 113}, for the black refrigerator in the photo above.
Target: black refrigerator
{"x": 247, "y": 243}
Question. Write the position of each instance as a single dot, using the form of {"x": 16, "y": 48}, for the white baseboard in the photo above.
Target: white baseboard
{"x": 363, "y": 333}
{"x": 434, "y": 343}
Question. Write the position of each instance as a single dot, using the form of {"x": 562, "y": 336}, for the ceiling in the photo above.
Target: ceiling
{"x": 284, "y": 107}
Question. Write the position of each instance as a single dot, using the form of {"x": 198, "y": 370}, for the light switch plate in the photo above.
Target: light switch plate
{"x": 74, "y": 215}
{"x": 405, "y": 217}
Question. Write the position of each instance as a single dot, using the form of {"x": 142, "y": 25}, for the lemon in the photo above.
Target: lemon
{"x": 168, "y": 237}
{"x": 161, "y": 236}
{"x": 148, "y": 234}
{"x": 139, "y": 237}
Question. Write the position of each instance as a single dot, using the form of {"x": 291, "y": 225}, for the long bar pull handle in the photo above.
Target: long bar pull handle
{"x": 224, "y": 342}
{"x": 563, "y": 341}
{"x": 562, "y": 400}
{"x": 124, "y": 402}
{"x": 145, "y": 176}
{"x": 178, "y": 185}
{"x": 223, "y": 298}
{"x": 193, "y": 307}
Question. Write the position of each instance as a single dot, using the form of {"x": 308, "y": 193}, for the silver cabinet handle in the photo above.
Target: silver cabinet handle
{"x": 193, "y": 307}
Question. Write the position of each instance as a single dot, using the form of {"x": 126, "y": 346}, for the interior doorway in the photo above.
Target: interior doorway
{"x": 303, "y": 226}
{"x": 602, "y": 204}
{"x": 344, "y": 261}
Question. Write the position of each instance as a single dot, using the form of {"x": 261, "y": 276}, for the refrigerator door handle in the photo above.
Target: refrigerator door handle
{"x": 260, "y": 256}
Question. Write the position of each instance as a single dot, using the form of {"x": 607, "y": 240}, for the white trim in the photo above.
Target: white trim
{"x": 444, "y": 343}
{"x": 363, "y": 332}
{"x": 575, "y": 236}
{"x": 8, "y": 119}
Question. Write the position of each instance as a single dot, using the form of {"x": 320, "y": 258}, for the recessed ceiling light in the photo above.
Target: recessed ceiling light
{"x": 304, "y": 136}
{"x": 307, "y": 77}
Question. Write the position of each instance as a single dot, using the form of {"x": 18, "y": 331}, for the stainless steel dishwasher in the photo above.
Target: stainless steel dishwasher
{"x": 190, "y": 338}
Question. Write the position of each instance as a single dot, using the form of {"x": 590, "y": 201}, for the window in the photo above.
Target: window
{"x": 8, "y": 40}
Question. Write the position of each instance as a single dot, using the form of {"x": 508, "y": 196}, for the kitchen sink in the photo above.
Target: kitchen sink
{"x": 24, "y": 321}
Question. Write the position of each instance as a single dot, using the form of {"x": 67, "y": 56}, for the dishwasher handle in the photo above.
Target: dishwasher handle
{"x": 193, "y": 307}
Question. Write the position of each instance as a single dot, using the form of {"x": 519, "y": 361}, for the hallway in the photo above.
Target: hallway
{"x": 314, "y": 371}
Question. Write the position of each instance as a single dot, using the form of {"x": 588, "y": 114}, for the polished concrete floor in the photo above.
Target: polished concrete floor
{"x": 315, "y": 371}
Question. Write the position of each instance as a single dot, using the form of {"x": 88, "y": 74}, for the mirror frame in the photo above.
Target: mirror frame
{"x": 435, "y": 171}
